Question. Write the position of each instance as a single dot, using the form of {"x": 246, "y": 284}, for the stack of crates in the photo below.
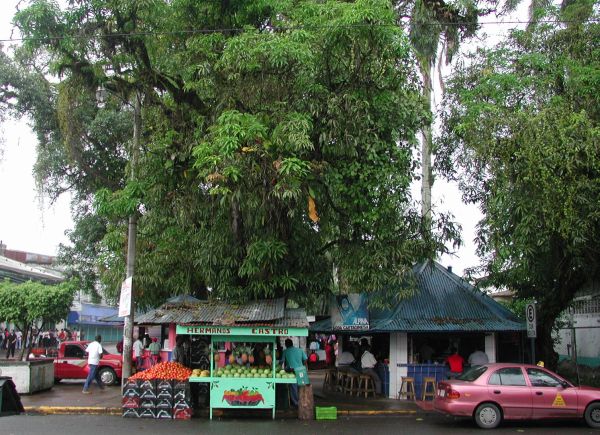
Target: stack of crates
{"x": 160, "y": 399}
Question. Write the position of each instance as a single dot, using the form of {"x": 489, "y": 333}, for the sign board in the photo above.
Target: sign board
{"x": 241, "y": 330}
{"x": 125, "y": 300}
{"x": 350, "y": 312}
{"x": 530, "y": 317}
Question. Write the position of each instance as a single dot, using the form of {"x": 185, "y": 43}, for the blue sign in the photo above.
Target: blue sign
{"x": 350, "y": 312}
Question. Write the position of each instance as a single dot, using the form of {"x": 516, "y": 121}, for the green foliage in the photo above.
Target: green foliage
{"x": 30, "y": 302}
{"x": 522, "y": 121}
{"x": 311, "y": 102}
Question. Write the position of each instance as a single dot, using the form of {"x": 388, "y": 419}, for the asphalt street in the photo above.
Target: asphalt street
{"x": 428, "y": 424}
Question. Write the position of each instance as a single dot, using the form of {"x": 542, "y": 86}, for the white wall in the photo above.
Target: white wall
{"x": 490, "y": 346}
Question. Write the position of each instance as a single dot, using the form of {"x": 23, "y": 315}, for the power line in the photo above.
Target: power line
{"x": 289, "y": 28}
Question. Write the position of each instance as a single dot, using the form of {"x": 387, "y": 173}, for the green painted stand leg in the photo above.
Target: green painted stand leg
{"x": 210, "y": 413}
{"x": 273, "y": 413}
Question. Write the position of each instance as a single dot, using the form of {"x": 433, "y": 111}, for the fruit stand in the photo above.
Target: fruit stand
{"x": 241, "y": 383}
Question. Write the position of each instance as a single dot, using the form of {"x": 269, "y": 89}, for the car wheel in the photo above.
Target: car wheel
{"x": 108, "y": 376}
{"x": 592, "y": 415}
{"x": 487, "y": 416}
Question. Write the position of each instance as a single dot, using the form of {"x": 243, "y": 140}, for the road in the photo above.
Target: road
{"x": 426, "y": 425}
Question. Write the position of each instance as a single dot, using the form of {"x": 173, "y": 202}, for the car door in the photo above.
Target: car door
{"x": 550, "y": 398}
{"x": 73, "y": 363}
{"x": 507, "y": 387}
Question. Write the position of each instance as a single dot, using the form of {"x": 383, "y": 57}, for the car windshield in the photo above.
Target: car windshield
{"x": 472, "y": 374}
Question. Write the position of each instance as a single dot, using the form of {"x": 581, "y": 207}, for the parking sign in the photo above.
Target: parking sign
{"x": 531, "y": 322}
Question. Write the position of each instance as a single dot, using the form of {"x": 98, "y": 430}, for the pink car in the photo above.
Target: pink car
{"x": 492, "y": 392}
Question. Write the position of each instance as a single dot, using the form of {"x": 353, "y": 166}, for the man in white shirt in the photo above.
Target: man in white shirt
{"x": 478, "y": 358}
{"x": 368, "y": 362}
{"x": 94, "y": 351}
{"x": 138, "y": 353}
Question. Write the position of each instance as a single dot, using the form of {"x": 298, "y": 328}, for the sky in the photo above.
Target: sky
{"x": 30, "y": 223}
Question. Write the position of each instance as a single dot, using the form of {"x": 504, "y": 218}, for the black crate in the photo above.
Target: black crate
{"x": 164, "y": 394}
{"x": 131, "y": 392}
{"x": 182, "y": 395}
{"x": 148, "y": 394}
{"x": 164, "y": 385}
{"x": 130, "y": 383}
{"x": 163, "y": 414}
{"x": 147, "y": 413}
{"x": 181, "y": 385}
{"x": 163, "y": 403}
{"x": 131, "y": 402}
{"x": 182, "y": 404}
{"x": 131, "y": 413}
{"x": 147, "y": 403}
{"x": 144, "y": 385}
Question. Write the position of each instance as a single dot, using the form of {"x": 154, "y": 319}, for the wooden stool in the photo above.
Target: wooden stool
{"x": 330, "y": 380}
{"x": 351, "y": 383}
{"x": 340, "y": 381}
{"x": 427, "y": 381}
{"x": 366, "y": 386}
{"x": 409, "y": 391}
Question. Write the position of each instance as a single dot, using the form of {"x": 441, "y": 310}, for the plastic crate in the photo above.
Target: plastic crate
{"x": 326, "y": 412}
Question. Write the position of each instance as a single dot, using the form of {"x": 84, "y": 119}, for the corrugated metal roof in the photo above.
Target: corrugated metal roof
{"x": 443, "y": 302}
{"x": 18, "y": 272}
{"x": 266, "y": 312}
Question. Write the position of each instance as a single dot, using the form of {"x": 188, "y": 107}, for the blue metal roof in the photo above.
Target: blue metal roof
{"x": 443, "y": 302}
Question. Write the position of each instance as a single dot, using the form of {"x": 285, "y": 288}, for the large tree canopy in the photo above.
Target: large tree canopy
{"x": 277, "y": 150}
{"x": 521, "y": 131}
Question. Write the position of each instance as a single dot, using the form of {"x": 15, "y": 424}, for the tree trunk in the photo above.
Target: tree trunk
{"x": 426, "y": 144}
{"x": 25, "y": 350}
{"x": 306, "y": 403}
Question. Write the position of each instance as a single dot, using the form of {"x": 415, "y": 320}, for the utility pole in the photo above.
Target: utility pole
{"x": 131, "y": 240}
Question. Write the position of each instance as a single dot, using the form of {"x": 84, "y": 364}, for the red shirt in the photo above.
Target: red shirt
{"x": 456, "y": 363}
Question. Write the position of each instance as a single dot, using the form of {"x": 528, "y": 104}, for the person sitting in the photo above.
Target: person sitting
{"x": 368, "y": 362}
{"x": 478, "y": 358}
{"x": 456, "y": 363}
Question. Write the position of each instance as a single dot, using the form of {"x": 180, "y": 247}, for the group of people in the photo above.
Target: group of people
{"x": 145, "y": 342}
{"x": 456, "y": 363}
{"x": 360, "y": 359}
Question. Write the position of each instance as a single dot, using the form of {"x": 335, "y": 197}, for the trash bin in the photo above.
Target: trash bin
{"x": 10, "y": 402}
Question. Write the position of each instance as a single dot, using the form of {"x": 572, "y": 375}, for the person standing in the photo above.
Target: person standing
{"x": 19, "y": 340}
{"x": 138, "y": 353}
{"x": 94, "y": 351}
{"x": 456, "y": 363}
{"x": 293, "y": 358}
{"x": 154, "y": 349}
{"x": 11, "y": 343}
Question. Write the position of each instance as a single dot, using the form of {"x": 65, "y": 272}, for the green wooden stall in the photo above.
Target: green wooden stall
{"x": 240, "y": 387}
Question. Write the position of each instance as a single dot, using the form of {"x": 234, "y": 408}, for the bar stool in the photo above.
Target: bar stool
{"x": 409, "y": 391}
{"x": 330, "y": 380}
{"x": 429, "y": 382}
{"x": 351, "y": 383}
{"x": 340, "y": 380}
{"x": 366, "y": 386}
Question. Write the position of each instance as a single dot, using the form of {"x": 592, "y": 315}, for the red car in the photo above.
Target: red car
{"x": 493, "y": 392}
{"x": 71, "y": 363}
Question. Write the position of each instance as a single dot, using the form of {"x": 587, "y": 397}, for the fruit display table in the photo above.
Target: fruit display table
{"x": 242, "y": 383}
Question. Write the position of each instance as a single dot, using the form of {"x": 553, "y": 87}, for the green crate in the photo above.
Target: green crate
{"x": 326, "y": 412}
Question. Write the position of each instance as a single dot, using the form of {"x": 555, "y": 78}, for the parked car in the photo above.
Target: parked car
{"x": 494, "y": 392}
{"x": 70, "y": 362}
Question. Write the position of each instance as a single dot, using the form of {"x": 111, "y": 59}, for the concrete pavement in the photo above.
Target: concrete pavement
{"x": 67, "y": 398}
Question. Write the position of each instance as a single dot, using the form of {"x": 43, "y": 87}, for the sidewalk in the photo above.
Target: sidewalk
{"x": 67, "y": 398}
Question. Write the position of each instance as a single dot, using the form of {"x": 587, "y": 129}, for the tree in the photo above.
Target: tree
{"x": 522, "y": 121}
{"x": 29, "y": 303}
{"x": 277, "y": 142}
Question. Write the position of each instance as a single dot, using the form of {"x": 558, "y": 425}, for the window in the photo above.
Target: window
{"x": 541, "y": 378}
{"x": 511, "y": 376}
{"x": 73, "y": 351}
{"x": 472, "y": 374}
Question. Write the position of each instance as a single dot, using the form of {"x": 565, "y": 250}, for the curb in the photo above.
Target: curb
{"x": 62, "y": 410}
